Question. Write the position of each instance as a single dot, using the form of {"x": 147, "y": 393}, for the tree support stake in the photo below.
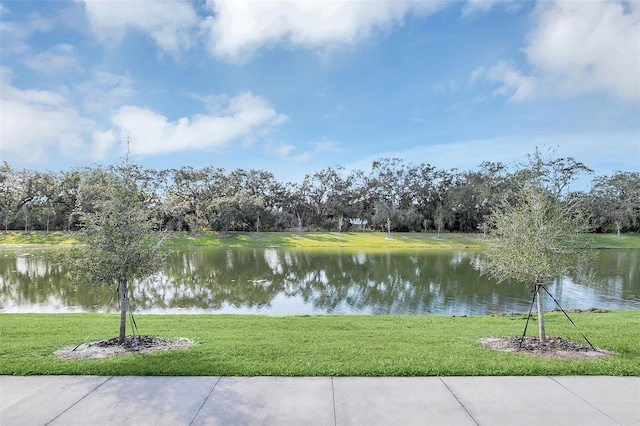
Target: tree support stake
{"x": 569, "y": 318}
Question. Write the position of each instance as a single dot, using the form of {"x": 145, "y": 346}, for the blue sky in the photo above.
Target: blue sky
{"x": 293, "y": 87}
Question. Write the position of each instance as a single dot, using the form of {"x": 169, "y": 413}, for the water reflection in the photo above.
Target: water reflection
{"x": 286, "y": 281}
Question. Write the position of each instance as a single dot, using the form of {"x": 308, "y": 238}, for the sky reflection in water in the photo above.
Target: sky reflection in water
{"x": 297, "y": 282}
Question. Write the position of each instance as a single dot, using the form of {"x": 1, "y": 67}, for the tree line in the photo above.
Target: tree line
{"x": 391, "y": 196}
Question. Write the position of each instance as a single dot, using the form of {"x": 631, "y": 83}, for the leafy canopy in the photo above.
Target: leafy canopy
{"x": 535, "y": 239}
{"x": 118, "y": 227}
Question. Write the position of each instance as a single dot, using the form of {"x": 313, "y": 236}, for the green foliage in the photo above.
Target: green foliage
{"x": 239, "y": 345}
{"x": 535, "y": 240}
{"x": 614, "y": 201}
{"x": 117, "y": 229}
{"x": 391, "y": 194}
{"x": 537, "y": 234}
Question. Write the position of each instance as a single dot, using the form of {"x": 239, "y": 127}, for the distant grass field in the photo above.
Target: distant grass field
{"x": 631, "y": 241}
{"x": 321, "y": 239}
{"x": 37, "y": 237}
{"x": 342, "y": 345}
{"x": 334, "y": 239}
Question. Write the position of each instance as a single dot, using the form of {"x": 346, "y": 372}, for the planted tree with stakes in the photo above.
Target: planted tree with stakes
{"x": 537, "y": 236}
{"x": 535, "y": 240}
{"x": 121, "y": 241}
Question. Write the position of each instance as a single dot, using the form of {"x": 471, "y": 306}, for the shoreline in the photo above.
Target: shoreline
{"x": 320, "y": 240}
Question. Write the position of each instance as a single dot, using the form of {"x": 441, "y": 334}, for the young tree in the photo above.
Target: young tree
{"x": 535, "y": 240}
{"x": 121, "y": 244}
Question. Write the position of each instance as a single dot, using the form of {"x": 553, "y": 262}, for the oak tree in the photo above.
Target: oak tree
{"x": 122, "y": 243}
{"x": 535, "y": 240}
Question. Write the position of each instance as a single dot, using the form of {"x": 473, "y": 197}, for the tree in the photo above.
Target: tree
{"x": 443, "y": 209}
{"x": 535, "y": 240}
{"x": 615, "y": 200}
{"x": 187, "y": 196}
{"x": 390, "y": 185}
{"x": 44, "y": 202}
{"x": 472, "y": 196}
{"x": 67, "y": 199}
{"x": 8, "y": 195}
{"x": 27, "y": 191}
{"x": 121, "y": 244}
{"x": 327, "y": 196}
{"x": 555, "y": 174}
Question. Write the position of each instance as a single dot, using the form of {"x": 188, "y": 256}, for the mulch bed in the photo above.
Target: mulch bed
{"x": 553, "y": 347}
{"x": 110, "y": 347}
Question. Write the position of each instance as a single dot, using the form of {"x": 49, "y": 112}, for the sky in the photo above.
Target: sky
{"x": 294, "y": 87}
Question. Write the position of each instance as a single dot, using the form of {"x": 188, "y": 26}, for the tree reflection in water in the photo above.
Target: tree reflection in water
{"x": 290, "y": 281}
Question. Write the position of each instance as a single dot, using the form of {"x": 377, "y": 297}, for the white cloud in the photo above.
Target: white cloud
{"x": 512, "y": 82}
{"x": 479, "y": 6}
{"x": 324, "y": 145}
{"x": 235, "y": 29}
{"x": 242, "y": 117}
{"x": 59, "y": 58}
{"x": 38, "y": 123}
{"x": 170, "y": 23}
{"x": 577, "y": 47}
{"x": 103, "y": 143}
{"x": 588, "y": 46}
{"x": 105, "y": 91}
{"x": 15, "y": 35}
{"x": 34, "y": 121}
{"x": 239, "y": 27}
{"x": 285, "y": 151}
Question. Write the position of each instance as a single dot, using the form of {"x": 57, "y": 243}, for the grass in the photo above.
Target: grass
{"x": 317, "y": 345}
{"x": 630, "y": 241}
{"x": 239, "y": 345}
{"x": 321, "y": 239}
{"x": 332, "y": 239}
{"x": 37, "y": 237}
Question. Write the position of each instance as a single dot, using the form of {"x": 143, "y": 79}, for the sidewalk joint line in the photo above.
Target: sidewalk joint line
{"x": 205, "y": 400}
{"x": 584, "y": 400}
{"x": 78, "y": 401}
{"x": 457, "y": 399}
{"x": 333, "y": 397}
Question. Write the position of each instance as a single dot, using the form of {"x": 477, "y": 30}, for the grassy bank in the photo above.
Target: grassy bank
{"x": 334, "y": 239}
{"x": 37, "y": 237}
{"x": 238, "y": 345}
{"x": 321, "y": 239}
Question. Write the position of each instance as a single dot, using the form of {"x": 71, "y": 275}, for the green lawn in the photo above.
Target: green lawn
{"x": 334, "y": 239}
{"x": 240, "y": 345}
{"x": 37, "y": 237}
{"x": 631, "y": 241}
{"x": 321, "y": 239}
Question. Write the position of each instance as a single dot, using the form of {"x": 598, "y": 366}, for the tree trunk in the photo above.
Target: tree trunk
{"x": 543, "y": 334}
{"x": 124, "y": 296}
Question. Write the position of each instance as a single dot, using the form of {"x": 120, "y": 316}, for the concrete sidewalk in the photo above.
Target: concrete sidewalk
{"x": 113, "y": 400}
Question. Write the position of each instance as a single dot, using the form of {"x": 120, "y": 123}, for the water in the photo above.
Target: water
{"x": 289, "y": 281}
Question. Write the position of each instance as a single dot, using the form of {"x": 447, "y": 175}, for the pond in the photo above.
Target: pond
{"x": 294, "y": 281}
